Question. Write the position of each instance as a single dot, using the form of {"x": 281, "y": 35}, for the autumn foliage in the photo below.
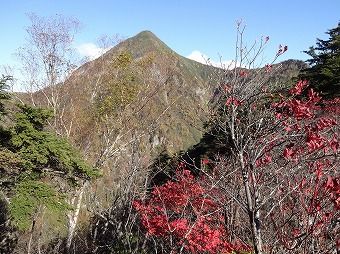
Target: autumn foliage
{"x": 311, "y": 197}
{"x": 296, "y": 174}
{"x": 188, "y": 214}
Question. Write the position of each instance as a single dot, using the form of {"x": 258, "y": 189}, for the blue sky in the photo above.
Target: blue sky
{"x": 184, "y": 25}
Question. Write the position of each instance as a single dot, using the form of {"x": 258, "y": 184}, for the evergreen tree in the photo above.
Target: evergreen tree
{"x": 29, "y": 156}
{"x": 324, "y": 70}
{"x": 39, "y": 172}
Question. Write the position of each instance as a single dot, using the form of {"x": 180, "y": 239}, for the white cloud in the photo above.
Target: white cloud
{"x": 91, "y": 51}
{"x": 197, "y": 56}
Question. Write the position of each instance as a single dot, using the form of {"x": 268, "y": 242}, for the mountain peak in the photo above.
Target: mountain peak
{"x": 146, "y": 34}
{"x": 143, "y": 42}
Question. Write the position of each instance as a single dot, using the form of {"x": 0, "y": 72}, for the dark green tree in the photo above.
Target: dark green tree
{"x": 7, "y": 160}
{"x": 324, "y": 70}
{"x": 39, "y": 171}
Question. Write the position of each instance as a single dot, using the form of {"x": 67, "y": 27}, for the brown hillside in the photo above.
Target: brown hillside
{"x": 140, "y": 90}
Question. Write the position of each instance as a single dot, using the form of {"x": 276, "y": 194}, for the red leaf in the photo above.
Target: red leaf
{"x": 206, "y": 161}
{"x": 329, "y": 183}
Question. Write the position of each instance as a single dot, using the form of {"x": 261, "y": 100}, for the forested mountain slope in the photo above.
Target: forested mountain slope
{"x": 121, "y": 111}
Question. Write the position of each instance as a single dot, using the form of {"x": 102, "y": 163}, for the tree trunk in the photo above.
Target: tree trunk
{"x": 254, "y": 216}
{"x": 73, "y": 216}
{"x": 32, "y": 229}
{"x": 254, "y": 220}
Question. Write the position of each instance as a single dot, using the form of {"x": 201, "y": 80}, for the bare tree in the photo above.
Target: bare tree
{"x": 124, "y": 95}
{"x": 47, "y": 60}
{"x": 259, "y": 126}
{"x": 275, "y": 182}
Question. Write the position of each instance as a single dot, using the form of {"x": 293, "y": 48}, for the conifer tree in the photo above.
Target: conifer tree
{"x": 39, "y": 174}
{"x": 324, "y": 70}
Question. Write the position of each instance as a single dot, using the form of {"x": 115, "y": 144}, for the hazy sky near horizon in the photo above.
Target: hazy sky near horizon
{"x": 186, "y": 26}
